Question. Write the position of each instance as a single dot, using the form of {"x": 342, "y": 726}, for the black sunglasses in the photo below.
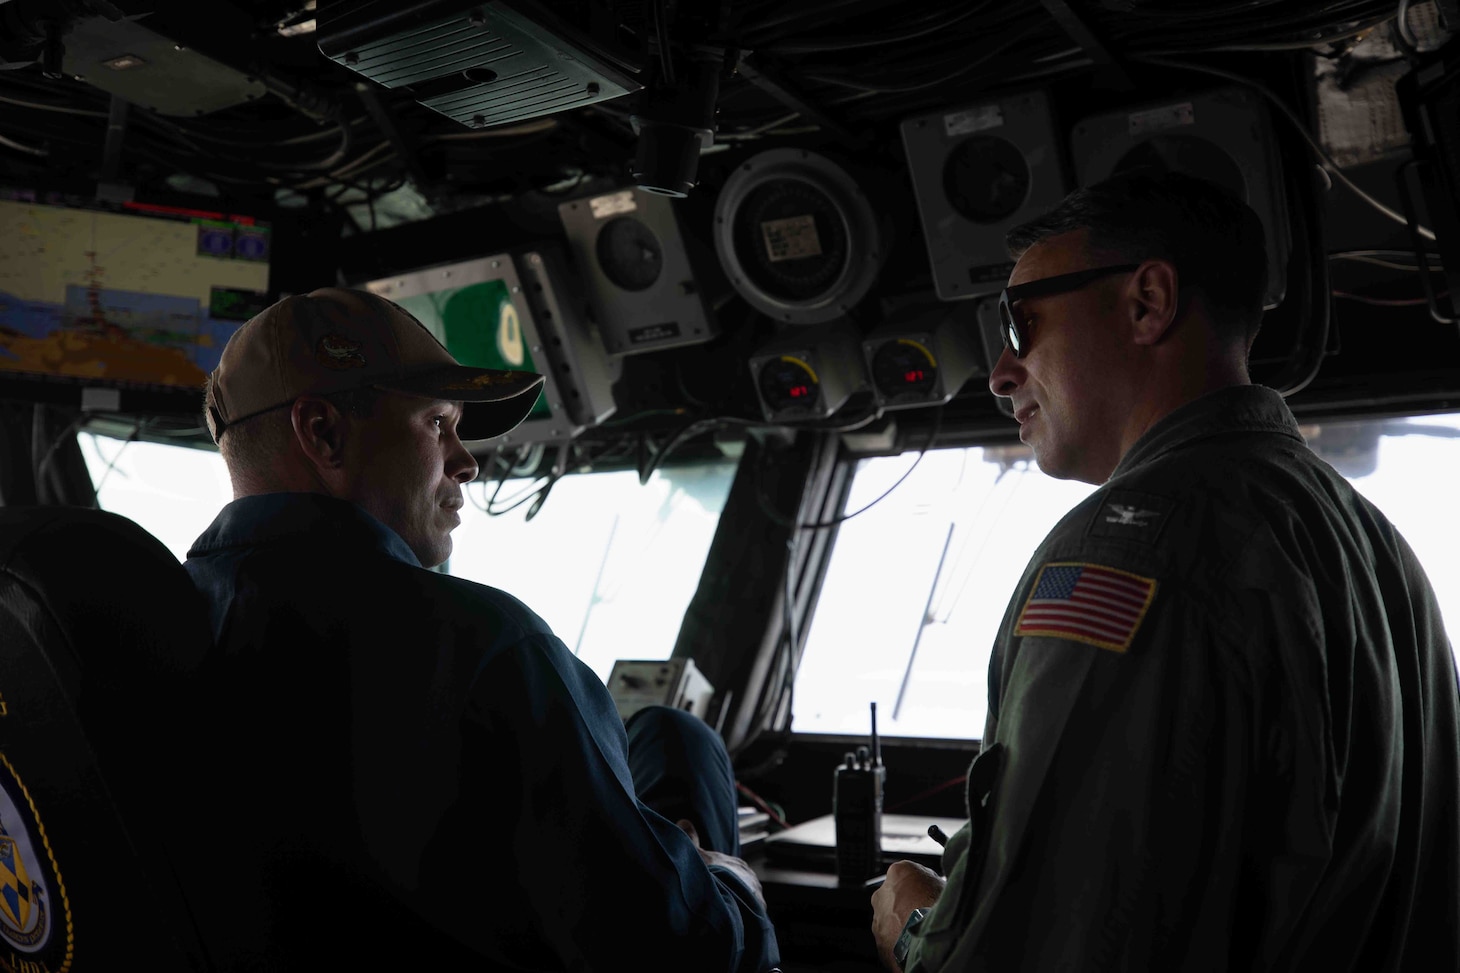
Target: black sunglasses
{"x": 1014, "y": 329}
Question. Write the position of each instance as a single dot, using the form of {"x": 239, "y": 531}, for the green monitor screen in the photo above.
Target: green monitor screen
{"x": 480, "y": 325}
{"x": 480, "y": 309}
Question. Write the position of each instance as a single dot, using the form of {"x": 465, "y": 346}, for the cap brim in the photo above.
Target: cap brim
{"x": 494, "y": 401}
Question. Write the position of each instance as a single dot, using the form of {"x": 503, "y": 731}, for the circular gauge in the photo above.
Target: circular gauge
{"x": 788, "y": 383}
{"x": 903, "y": 369}
{"x": 797, "y": 236}
{"x": 792, "y": 239}
{"x": 986, "y": 178}
{"x": 630, "y": 254}
{"x": 1187, "y": 154}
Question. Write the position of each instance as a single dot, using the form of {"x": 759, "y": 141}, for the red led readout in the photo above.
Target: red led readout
{"x": 799, "y": 391}
{"x": 913, "y": 377}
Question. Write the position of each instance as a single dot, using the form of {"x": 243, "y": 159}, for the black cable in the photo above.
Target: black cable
{"x": 508, "y": 469}
{"x": 50, "y": 107}
{"x": 1387, "y": 258}
{"x": 932, "y": 57}
{"x": 1400, "y": 33}
{"x": 967, "y": 67}
{"x": 492, "y": 510}
{"x": 677, "y": 439}
{"x": 542, "y": 496}
{"x": 329, "y": 162}
{"x": 811, "y": 17}
{"x": 780, "y": 519}
{"x": 1387, "y": 302}
{"x": 45, "y": 460}
{"x": 132, "y": 438}
{"x": 559, "y": 468}
{"x": 893, "y": 106}
{"x": 1331, "y": 167}
{"x": 700, "y": 426}
{"x": 1272, "y": 42}
{"x": 40, "y": 151}
{"x": 1287, "y": 26}
{"x": 480, "y": 506}
{"x": 268, "y": 137}
{"x": 1244, "y": 18}
{"x": 661, "y": 34}
{"x": 1314, "y": 305}
{"x": 782, "y": 682}
{"x": 541, "y": 487}
{"x": 787, "y": 644}
{"x": 892, "y": 37}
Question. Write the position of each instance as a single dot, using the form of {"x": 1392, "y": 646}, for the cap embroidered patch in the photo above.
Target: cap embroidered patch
{"x": 332, "y": 351}
{"x": 1087, "y": 603}
{"x": 483, "y": 380}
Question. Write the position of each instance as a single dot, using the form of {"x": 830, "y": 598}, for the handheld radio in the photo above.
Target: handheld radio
{"x": 857, "y": 807}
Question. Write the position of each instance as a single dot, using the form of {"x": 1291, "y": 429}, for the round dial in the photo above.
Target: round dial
{"x": 787, "y": 383}
{"x": 904, "y": 368}
{"x": 792, "y": 240}
{"x": 986, "y": 178}
{"x": 630, "y": 254}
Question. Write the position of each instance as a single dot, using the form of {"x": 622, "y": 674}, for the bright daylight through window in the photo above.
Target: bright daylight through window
{"x": 914, "y": 592}
{"x": 918, "y": 585}
{"x": 609, "y": 564}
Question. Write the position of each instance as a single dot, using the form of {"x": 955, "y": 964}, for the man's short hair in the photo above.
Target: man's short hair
{"x": 1215, "y": 240}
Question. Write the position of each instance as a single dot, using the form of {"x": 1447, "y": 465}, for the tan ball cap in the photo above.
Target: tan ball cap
{"x": 334, "y": 339}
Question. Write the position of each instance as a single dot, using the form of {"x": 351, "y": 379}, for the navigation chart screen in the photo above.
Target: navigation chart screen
{"x": 147, "y": 295}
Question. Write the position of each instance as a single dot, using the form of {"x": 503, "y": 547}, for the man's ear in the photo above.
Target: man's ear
{"x": 1152, "y": 296}
{"x": 320, "y": 429}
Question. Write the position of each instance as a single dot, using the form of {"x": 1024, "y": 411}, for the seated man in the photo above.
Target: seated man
{"x": 411, "y": 767}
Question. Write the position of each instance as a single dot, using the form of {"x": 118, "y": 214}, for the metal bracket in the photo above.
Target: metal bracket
{"x": 1108, "y": 68}
{"x": 1401, "y": 179}
{"x": 770, "y": 79}
{"x": 385, "y": 120}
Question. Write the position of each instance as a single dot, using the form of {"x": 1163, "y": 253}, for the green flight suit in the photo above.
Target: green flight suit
{"x": 1222, "y": 730}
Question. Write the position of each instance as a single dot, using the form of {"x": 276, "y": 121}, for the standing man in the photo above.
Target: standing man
{"x": 1222, "y": 728}
{"x": 411, "y": 770}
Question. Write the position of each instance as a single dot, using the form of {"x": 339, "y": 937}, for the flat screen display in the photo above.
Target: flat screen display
{"x": 479, "y": 310}
{"x": 480, "y": 325}
{"x": 137, "y": 295}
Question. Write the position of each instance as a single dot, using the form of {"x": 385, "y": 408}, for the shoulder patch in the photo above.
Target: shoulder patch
{"x": 1088, "y": 603}
{"x": 1131, "y": 516}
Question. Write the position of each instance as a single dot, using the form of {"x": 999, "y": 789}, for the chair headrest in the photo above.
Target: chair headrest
{"x": 104, "y": 580}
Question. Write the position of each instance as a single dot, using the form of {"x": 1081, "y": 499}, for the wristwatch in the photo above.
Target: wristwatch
{"x": 904, "y": 941}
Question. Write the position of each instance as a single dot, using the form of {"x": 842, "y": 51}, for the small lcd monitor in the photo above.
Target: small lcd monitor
{"x": 129, "y": 296}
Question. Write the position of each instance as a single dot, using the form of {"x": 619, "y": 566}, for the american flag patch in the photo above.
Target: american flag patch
{"x": 1087, "y": 603}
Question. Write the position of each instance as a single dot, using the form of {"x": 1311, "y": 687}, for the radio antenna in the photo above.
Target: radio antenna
{"x": 876, "y": 744}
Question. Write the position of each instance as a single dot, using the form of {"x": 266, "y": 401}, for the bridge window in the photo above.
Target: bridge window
{"x": 609, "y": 564}
{"x": 917, "y": 585}
{"x": 172, "y": 491}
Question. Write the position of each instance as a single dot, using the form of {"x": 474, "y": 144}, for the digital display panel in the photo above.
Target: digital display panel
{"x": 507, "y": 310}
{"x": 481, "y": 327}
{"x": 147, "y": 295}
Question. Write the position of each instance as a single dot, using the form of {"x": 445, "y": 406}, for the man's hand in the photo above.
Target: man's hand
{"x": 742, "y": 870}
{"x": 908, "y": 886}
